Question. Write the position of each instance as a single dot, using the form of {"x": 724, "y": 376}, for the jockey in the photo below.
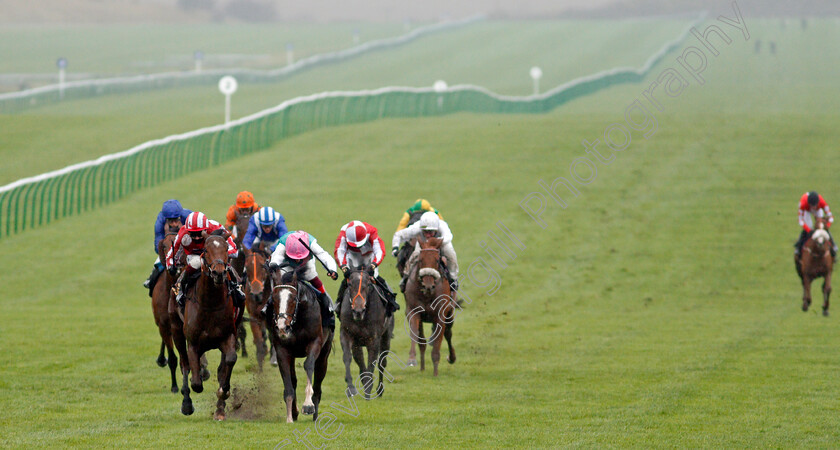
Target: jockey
{"x": 812, "y": 206}
{"x": 244, "y": 205}
{"x": 190, "y": 241}
{"x": 430, "y": 225}
{"x": 290, "y": 253}
{"x": 169, "y": 220}
{"x": 266, "y": 226}
{"x": 418, "y": 208}
{"x": 358, "y": 244}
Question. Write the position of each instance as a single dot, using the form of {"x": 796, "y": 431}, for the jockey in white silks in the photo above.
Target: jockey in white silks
{"x": 429, "y": 225}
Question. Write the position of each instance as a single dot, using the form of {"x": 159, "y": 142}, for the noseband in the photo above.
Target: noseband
{"x": 283, "y": 314}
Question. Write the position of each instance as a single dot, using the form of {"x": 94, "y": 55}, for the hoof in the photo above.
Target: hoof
{"x": 161, "y": 361}
{"x": 174, "y": 389}
{"x": 412, "y": 363}
{"x": 197, "y": 388}
{"x": 187, "y": 408}
{"x": 308, "y": 410}
{"x": 352, "y": 391}
{"x": 219, "y": 415}
{"x": 804, "y": 308}
{"x": 451, "y": 360}
{"x": 825, "y": 313}
{"x": 205, "y": 374}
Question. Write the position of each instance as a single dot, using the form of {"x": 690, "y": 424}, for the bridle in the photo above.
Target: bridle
{"x": 283, "y": 314}
{"x": 359, "y": 293}
{"x": 253, "y": 259}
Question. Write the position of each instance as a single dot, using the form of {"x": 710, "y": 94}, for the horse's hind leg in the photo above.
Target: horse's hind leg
{"x": 243, "y": 334}
{"x": 437, "y": 343}
{"x": 173, "y": 364}
{"x": 226, "y": 364}
{"x": 826, "y": 293}
{"x": 448, "y": 335}
{"x": 259, "y": 342}
{"x": 205, "y": 374}
{"x": 161, "y": 359}
{"x": 320, "y": 374}
{"x": 414, "y": 324}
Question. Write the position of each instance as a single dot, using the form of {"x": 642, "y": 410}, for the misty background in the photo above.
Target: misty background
{"x": 326, "y": 11}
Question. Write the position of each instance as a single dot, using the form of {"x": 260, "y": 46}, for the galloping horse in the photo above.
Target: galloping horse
{"x": 160, "y": 309}
{"x": 363, "y": 324}
{"x": 296, "y": 332}
{"x": 209, "y": 322}
{"x": 256, "y": 295}
{"x": 815, "y": 261}
{"x": 238, "y": 264}
{"x": 428, "y": 298}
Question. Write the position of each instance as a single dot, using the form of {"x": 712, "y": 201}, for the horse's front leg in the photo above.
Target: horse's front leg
{"x": 436, "y": 344}
{"x": 285, "y": 363}
{"x": 414, "y": 325}
{"x": 347, "y": 356}
{"x": 226, "y": 364}
{"x": 195, "y": 368}
{"x": 373, "y": 349}
{"x": 806, "y": 294}
{"x": 826, "y": 292}
{"x": 312, "y": 352}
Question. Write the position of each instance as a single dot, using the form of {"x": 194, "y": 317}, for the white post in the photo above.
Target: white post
{"x": 227, "y": 86}
{"x": 536, "y": 74}
{"x": 440, "y": 87}
{"x": 198, "y": 56}
{"x": 290, "y": 53}
{"x": 62, "y": 65}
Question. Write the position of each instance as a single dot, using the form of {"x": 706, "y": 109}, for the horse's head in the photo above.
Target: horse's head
{"x": 255, "y": 268}
{"x": 359, "y": 285}
{"x": 215, "y": 258}
{"x": 285, "y": 296}
{"x": 820, "y": 241}
{"x": 165, "y": 244}
{"x": 243, "y": 218}
{"x": 428, "y": 267}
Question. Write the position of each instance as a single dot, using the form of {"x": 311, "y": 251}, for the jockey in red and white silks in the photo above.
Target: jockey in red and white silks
{"x": 358, "y": 244}
{"x": 811, "y": 207}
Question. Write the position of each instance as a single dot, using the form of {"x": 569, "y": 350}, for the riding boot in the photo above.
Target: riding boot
{"x": 390, "y": 294}
{"x": 327, "y": 311}
{"x": 235, "y": 291}
{"x": 182, "y": 289}
{"x": 152, "y": 280}
{"x": 340, "y": 296}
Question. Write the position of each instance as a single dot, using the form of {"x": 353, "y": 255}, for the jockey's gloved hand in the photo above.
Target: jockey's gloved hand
{"x": 395, "y": 250}
{"x": 172, "y": 270}
{"x": 333, "y": 274}
{"x": 273, "y": 266}
{"x": 345, "y": 269}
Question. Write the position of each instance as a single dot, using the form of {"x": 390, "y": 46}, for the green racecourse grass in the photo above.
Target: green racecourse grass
{"x": 496, "y": 55}
{"x": 660, "y": 309}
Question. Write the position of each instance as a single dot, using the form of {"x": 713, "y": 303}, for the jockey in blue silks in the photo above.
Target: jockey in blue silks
{"x": 169, "y": 220}
{"x": 266, "y": 226}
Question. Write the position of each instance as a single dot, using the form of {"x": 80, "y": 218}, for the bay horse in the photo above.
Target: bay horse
{"x": 256, "y": 296}
{"x": 209, "y": 322}
{"x": 160, "y": 310}
{"x": 240, "y": 228}
{"x": 815, "y": 261}
{"x": 364, "y": 324}
{"x": 428, "y": 298}
{"x": 296, "y": 332}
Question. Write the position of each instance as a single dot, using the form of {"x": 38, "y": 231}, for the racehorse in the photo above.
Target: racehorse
{"x": 160, "y": 310}
{"x": 363, "y": 324}
{"x": 296, "y": 331}
{"x": 209, "y": 322}
{"x": 428, "y": 298}
{"x": 256, "y": 295}
{"x": 243, "y": 218}
{"x": 816, "y": 261}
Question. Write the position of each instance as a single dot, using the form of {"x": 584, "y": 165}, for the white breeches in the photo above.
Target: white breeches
{"x": 359, "y": 260}
{"x": 308, "y": 274}
{"x": 810, "y": 219}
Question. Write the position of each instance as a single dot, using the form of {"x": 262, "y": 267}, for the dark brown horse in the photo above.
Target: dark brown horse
{"x": 256, "y": 296}
{"x": 160, "y": 309}
{"x": 816, "y": 261}
{"x": 296, "y": 332}
{"x": 209, "y": 322}
{"x": 243, "y": 218}
{"x": 364, "y": 324}
{"x": 428, "y": 298}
